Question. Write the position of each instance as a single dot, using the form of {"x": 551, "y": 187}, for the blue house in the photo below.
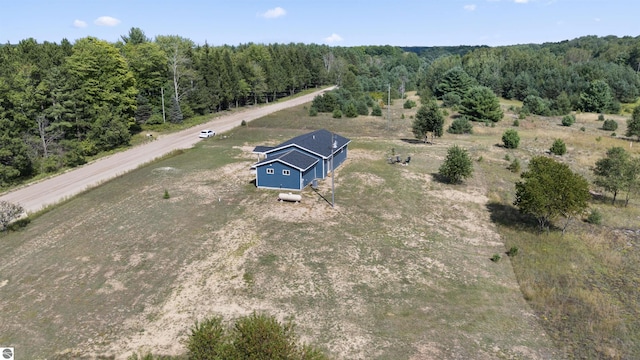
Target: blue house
{"x": 295, "y": 163}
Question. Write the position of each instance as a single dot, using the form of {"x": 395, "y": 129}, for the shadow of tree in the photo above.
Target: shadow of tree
{"x": 509, "y": 216}
{"x": 414, "y": 141}
{"x": 437, "y": 177}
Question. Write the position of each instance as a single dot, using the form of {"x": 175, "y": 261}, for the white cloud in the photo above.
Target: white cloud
{"x": 273, "y": 13}
{"x": 521, "y": 1}
{"x": 333, "y": 38}
{"x": 470, "y": 7}
{"x": 597, "y": 19}
{"x": 106, "y": 21}
{"x": 79, "y": 23}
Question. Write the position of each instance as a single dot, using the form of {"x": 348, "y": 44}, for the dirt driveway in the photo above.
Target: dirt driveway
{"x": 36, "y": 196}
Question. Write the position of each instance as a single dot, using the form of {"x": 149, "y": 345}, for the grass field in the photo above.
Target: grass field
{"x": 399, "y": 269}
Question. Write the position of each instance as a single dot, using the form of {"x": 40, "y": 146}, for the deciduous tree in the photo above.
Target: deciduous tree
{"x": 615, "y": 171}
{"x": 550, "y": 189}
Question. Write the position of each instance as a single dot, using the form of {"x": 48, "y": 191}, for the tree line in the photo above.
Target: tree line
{"x": 588, "y": 74}
{"x": 62, "y": 103}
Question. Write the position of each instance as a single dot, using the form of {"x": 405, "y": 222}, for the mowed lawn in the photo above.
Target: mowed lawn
{"x": 399, "y": 269}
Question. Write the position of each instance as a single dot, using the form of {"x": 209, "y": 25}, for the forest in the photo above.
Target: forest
{"x": 62, "y": 103}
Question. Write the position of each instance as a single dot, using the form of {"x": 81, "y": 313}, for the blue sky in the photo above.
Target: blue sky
{"x": 332, "y": 22}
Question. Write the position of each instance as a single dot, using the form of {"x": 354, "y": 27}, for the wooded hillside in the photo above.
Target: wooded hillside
{"x": 61, "y": 103}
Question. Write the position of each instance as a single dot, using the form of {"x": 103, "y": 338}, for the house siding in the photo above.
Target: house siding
{"x": 277, "y": 180}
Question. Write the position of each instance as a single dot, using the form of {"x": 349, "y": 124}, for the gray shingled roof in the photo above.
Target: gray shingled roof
{"x": 318, "y": 142}
{"x": 292, "y": 158}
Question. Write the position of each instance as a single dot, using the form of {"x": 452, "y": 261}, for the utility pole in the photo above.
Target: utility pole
{"x": 389, "y": 106}
{"x": 334, "y": 145}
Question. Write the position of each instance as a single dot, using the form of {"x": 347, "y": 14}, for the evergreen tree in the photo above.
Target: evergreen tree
{"x": 481, "y": 104}
{"x": 633, "y": 124}
{"x": 429, "y": 119}
{"x": 457, "y": 166}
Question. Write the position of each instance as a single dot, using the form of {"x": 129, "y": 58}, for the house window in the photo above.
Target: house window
{"x": 269, "y": 171}
{"x": 286, "y": 172}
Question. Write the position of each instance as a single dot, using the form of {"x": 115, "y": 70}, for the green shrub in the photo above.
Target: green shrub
{"x": 337, "y": 113}
{"x": 376, "y": 110}
{"x": 363, "y": 109}
{"x": 558, "y": 147}
{"x": 252, "y": 337}
{"x": 461, "y": 125}
{"x": 595, "y": 217}
{"x": 514, "y": 167}
{"x": 409, "y": 104}
{"x": 600, "y": 117}
{"x": 511, "y": 139}
{"x": 583, "y": 129}
{"x": 513, "y": 251}
{"x": 516, "y": 123}
{"x": 568, "y": 120}
{"x": 496, "y": 257}
{"x": 351, "y": 110}
{"x": 313, "y": 111}
{"x": 166, "y": 194}
{"x": 610, "y": 125}
{"x": 243, "y": 123}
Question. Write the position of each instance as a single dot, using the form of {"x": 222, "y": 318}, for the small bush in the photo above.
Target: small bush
{"x": 376, "y": 110}
{"x": 461, "y": 125}
{"x": 513, "y": 251}
{"x": 337, "y": 114}
{"x": 496, "y": 257}
{"x": 599, "y": 138}
{"x": 583, "y": 129}
{"x": 600, "y": 117}
{"x": 480, "y": 159}
{"x": 511, "y": 139}
{"x": 558, "y": 147}
{"x": 166, "y": 194}
{"x": 614, "y": 134}
{"x": 313, "y": 111}
{"x": 595, "y": 217}
{"x": 610, "y": 125}
{"x": 514, "y": 167}
{"x": 251, "y": 337}
{"x": 568, "y": 120}
{"x": 243, "y": 123}
{"x": 409, "y": 104}
{"x": 516, "y": 122}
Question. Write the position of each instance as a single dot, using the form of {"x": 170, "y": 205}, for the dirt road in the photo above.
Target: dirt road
{"x": 38, "y": 195}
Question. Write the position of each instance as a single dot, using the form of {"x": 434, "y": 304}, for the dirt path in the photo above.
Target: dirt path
{"x": 38, "y": 195}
